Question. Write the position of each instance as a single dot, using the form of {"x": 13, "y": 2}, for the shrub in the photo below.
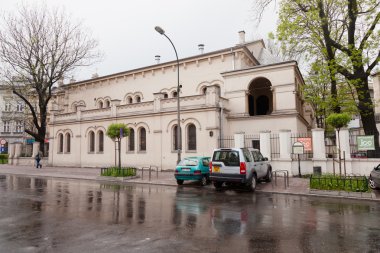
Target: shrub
{"x": 118, "y": 172}
{"x": 338, "y": 183}
{"x": 3, "y": 158}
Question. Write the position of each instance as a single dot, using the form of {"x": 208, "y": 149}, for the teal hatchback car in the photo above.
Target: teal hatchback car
{"x": 193, "y": 168}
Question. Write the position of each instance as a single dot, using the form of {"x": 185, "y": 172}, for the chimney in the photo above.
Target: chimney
{"x": 95, "y": 75}
{"x": 241, "y": 37}
{"x": 157, "y": 58}
{"x": 201, "y": 48}
{"x": 72, "y": 80}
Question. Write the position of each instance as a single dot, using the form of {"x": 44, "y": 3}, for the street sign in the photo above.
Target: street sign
{"x": 298, "y": 148}
{"x": 3, "y": 142}
{"x": 366, "y": 142}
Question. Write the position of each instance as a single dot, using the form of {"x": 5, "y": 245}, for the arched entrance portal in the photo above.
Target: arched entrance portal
{"x": 260, "y": 97}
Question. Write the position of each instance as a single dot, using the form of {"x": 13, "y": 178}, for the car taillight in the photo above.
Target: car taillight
{"x": 210, "y": 166}
{"x": 243, "y": 168}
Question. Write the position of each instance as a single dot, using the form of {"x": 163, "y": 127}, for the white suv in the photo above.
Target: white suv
{"x": 242, "y": 166}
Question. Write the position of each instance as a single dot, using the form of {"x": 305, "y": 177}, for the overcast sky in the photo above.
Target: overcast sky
{"x": 126, "y": 35}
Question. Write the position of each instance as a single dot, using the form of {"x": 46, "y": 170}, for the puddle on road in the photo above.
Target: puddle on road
{"x": 53, "y": 215}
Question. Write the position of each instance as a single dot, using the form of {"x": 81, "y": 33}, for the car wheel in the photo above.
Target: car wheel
{"x": 179, "y": 181}
{"x": 268, "y": 177}
{"x": 204, "y": 181}
{"x": 218, "y": 185}
{"x": 371, "y": 183}
{"x": 251, "y": 185}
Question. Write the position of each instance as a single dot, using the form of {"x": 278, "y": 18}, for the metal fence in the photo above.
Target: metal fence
{"x": 226, "y": 141}
{"x": 118, "y": 172}
{"x": 27, "y": 150}
{"x": 252, "y": 141}
{"x": 275, "y": 145}
{"x": 308, "y": 152}
{"x": 330, "y": 144}
{"x": 354, "y": 133}
{"x": 344, "y": 183}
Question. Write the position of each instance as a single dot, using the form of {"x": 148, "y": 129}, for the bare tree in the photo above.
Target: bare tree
{"x": 38, "y": 47}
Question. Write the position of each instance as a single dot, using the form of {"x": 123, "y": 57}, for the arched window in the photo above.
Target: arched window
{"x": 100, "y": 141}
{"x": 91, "y": 141}
{"x": 175, "y": 139}
{"x": 260, "y": 97}
{"x": 174, "y": 94}
{"x": 204, "y": 90}
{"x": 100, "y": 104}
{"x": 166, "y": 95}
{"x": 131, "y": 140}
{"x": 142, "y": 139}
{"x": 138, "y": 99}
{"x": 129, "y": 100}
{"x": 262, "y": 104}
{"x": 60, "y": 143}
{"x": 68, "y": 142}
{"x": 108, "y": 103}
{"x": 191, "y": 137}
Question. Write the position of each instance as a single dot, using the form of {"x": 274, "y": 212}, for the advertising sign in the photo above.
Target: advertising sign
{"x": 307, "y": 143}
{"x": 366, "y": 142}
{"x": 29, "y": 141}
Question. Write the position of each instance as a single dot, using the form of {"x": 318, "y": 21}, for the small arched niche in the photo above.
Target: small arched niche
{"x": 260, "y": 97}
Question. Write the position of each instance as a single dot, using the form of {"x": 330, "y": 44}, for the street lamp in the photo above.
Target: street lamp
{"x": 179, "y": 140}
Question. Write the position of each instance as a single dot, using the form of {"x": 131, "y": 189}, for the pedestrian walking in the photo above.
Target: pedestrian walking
{"x": 38, "y": 159}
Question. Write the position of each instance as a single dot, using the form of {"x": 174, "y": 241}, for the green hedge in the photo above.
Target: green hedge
{"x": 118, "y": 172}
{"x": 338, "y": 183}
{"x": 3, "y": 158}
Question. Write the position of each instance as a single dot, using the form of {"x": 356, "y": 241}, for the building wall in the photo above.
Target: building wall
{"x": 226, "y": 74}
{"x": 11, "y": 115}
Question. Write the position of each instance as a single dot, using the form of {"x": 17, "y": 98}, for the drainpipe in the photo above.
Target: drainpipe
{"x": 220, "y": 123}
{"x": 233, "y": 59}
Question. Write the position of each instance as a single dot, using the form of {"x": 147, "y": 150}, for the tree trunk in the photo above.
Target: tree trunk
{"x": 367, "y": 114}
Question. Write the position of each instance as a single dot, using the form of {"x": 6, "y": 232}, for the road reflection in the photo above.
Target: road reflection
{"x": 51, "y": 215}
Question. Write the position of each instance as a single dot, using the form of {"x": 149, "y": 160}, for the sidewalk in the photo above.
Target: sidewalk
{"x": 297, "y": 186}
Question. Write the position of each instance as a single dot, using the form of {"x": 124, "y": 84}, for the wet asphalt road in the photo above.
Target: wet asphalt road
{"x": 53, "y": 215}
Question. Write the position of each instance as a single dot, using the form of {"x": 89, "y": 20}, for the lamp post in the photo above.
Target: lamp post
{"x": 179, "y": 140}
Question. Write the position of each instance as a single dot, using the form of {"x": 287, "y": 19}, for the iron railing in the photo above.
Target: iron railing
{"x": 338, "y": 183}
{"x": 118, "y": 172}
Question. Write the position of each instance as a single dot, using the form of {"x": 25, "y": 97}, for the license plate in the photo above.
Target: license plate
{"x": 185, "y": 169}
{"x": 215, "y": 169}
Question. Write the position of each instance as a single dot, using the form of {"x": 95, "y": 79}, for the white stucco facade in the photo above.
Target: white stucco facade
{"x": 223, "y": 92}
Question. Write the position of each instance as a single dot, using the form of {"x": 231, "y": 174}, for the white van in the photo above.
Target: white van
{"x": 244, "y": 166}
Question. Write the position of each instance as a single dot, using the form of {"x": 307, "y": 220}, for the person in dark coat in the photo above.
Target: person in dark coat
{"x": 38, "y": 159}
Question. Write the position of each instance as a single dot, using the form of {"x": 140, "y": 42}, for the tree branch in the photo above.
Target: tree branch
{"x": 370, "y": 31}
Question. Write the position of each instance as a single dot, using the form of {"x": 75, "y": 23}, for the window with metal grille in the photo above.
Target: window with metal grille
{"x": 175, "y": 138}
{"x": 142, "y": 139}
{"x": 91, "y": 137}
{"x": 68, "y": 142}
{"x": 60, "y": 143}
{"x": 131, "y": 140}
{"x": 191, "y": 137}
{"x": 100, "y": 141}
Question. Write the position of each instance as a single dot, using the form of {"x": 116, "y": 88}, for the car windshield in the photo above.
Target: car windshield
{"x": 188, "y": 162}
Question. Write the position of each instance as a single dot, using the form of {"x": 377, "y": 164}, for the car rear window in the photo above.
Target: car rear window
{"x": 228, "y": 157}
{"x": 188, "y": 162}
